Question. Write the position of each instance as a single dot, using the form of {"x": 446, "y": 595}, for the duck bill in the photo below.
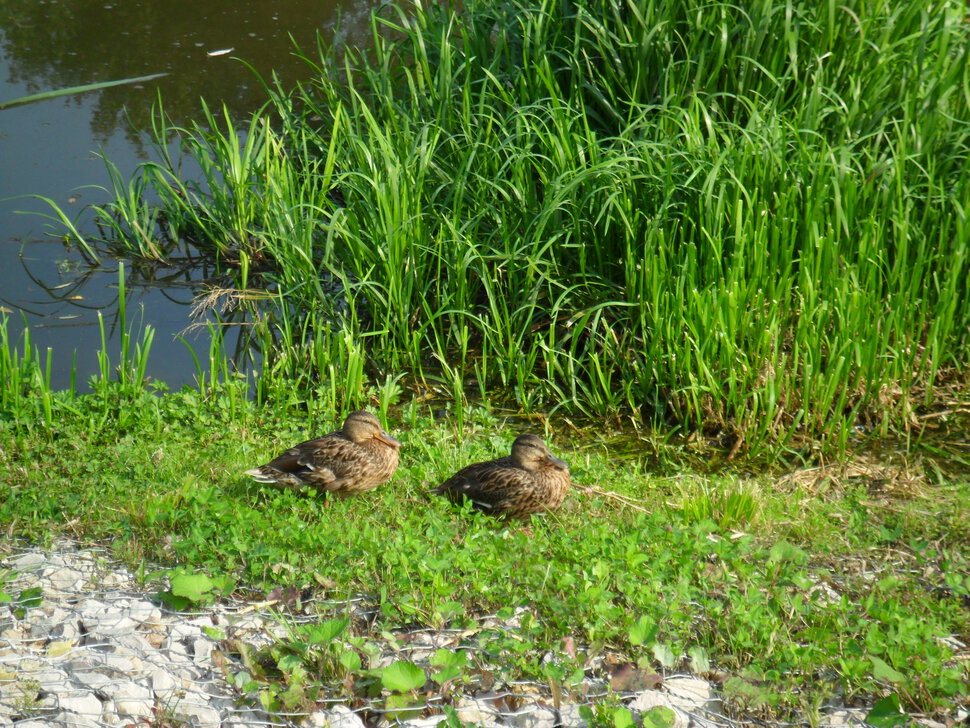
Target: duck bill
{"x": 557, "y": 463}
{"x": 387, "y": 439}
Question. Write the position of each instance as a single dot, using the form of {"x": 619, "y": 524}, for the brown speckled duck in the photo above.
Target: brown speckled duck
{"x": 531, "y": 480}
{"x": 357, "y": 458}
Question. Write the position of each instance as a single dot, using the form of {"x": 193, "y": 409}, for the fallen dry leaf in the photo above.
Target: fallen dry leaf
{"x": 628, "y": 678}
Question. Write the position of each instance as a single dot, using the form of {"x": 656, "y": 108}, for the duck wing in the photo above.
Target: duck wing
{"x": 335, "y": 464}
{"x": 495, "y": 486}
{"x": 322, "y": 462}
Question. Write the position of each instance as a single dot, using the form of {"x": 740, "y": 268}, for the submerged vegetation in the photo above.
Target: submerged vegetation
{"x": 747, "y": 221}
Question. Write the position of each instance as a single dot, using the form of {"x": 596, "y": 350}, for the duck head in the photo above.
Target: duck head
{"x": 361, "y": 426}
{"x": 530, "y": 453}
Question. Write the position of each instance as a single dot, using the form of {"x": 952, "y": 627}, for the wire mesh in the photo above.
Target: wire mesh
{"x": 84, "y": 645}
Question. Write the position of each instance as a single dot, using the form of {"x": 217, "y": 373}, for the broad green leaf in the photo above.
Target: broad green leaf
{"x": 223, "y": 583}
{"x": 699, "y": 660}
{"x": 784, "y": 551}
{"x": 28, "y": 599}
{"x": 664, "y": 655}
{"x": 194, "y": 587}
{"x": 269, "y": 701}
{"x": 31, "y": 597}
{"x": 882, "y": 671}
{"x": 622, "y": 718}
{"x": 176, "y": 604}
{"x": 446, "y": 674}
{"x": 325, "y": 632}
{"x": 402, "y": 676}
{"x": 643, "y": 631}
{"x": 448, "y": 658}
{"x": 886, "y": 713}
{"x": 350, "y": 660}
{"x": 293, "y": 696}
{"x": 403, "y": 707}
{"x": 659, "y": 716}
{"x": 451, "y": 719}
{"x": 449, "y": 608}
{"x": 289, "y": 663}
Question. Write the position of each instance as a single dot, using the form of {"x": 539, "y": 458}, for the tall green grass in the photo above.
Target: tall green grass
{"x": 746, "y": 220}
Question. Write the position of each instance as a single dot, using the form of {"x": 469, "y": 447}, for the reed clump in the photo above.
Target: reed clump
{"x": 747, "y": 220}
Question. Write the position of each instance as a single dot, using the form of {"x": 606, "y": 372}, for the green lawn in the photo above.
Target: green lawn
{"x": 793, "y": 589}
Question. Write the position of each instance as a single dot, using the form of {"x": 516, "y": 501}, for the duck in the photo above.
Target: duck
{"x": 530, "y": 480}
{"x": 355, "y": 459}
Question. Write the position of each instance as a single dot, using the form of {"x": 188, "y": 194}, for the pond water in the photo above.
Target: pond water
{"x": 51, "y": 148}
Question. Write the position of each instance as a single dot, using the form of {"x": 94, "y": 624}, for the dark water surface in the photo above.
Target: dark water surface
{"x": 50, "y": 148}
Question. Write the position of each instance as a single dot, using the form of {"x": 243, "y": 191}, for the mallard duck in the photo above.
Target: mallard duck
{"x": 530, "y": 480}
{"x": 354, "y": 459}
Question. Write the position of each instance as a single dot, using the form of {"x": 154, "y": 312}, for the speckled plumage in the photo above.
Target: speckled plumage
{"x": 530, "y": 480}
{"x": 357, "y": 458}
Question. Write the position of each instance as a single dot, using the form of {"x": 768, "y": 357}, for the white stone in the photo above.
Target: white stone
{"x": 569, "y": 716}
{"x": 205, "y": 620}
{"x": 13, "y": 635}
{"x": 108, "y": 713}
{"x": 131, "y": 698}
{"x": 163, "y": 684}
{"x": 143, "y": 611}
{"x": 28, "y": 560}
{"x": 339, "y": 716}
{"x": 123, "y": 664}
{"x": 49, "y": 680}
{"x": 476, "y": 711}
{"x": 647, "y": 700}
{"x": 532, "y": 717}
{"x": 135, "y": 642}
{"x": 91, "y": 609}
{"x": 74, "y": 720}
{"x": 202, "y": 649}
{"x": 63, "y": 578}
{"x": 108, "y": 623}
{"x": 42, "y": 619}
{"x": 115, "y": 578}
{"x": 692, "y": 694}
{"x": 223, "y": 705}
{"x": 65, "y": 630}
{"x": 175, "y": 649}
{"x": 46, "y": 704}
{"x": 186, "y": 671}
{"x": 93, "y": 680}
{"x": 249, "y": 623}
{"x": 431, "y": 721}
{"x": 842, "y": 718}
{"x": 200, "y": 714}
{"x": 80, "y": 703}
{"x": 182, "y": 632}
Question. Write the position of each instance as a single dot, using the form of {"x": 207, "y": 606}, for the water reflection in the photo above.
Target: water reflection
{"x": 57, "y": 43}
{"x": 60, "y": 296}
{"x": 48, "y": 148}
